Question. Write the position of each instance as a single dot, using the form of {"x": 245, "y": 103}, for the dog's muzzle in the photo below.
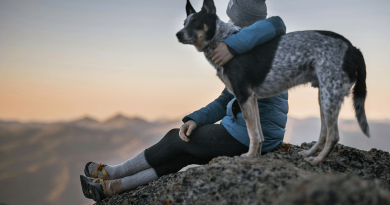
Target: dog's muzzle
{"x": 180, "y": 36}
{"x": 183, "y": 37}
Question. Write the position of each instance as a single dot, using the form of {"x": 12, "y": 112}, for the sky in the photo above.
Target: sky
{"x": 61, "y": 60}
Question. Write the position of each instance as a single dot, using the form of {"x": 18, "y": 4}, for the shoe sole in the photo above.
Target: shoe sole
{"x": 86, "y": 171}
{"x": 91, "y": 190}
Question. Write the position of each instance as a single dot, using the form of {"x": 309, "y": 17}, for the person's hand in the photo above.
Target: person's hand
{"x": 221, "y": 54}
{"x": 186, "y": 129}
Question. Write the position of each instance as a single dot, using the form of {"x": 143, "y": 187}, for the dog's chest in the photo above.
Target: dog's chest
{"x": 224, "y": 78}
{"x": 221, "y": 74}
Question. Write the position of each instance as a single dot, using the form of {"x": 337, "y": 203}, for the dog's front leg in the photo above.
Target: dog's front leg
{"x": 250, "y": 112}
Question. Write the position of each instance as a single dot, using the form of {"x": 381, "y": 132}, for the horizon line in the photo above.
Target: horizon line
{"x": 72, "y": 119}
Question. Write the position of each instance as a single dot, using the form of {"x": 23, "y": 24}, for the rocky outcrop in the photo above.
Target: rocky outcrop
{"x": 347, "y": 176}
{"x": 336, "y": 189}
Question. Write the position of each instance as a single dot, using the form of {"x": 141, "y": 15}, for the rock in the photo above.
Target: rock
{"x": 348, "y": 175}
{"x": 336, "y": 190}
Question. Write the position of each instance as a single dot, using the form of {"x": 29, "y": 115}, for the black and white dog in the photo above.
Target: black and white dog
{"x": 325, "y": 59}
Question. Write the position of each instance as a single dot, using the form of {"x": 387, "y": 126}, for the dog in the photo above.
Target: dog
{"x": 325, "y": 59}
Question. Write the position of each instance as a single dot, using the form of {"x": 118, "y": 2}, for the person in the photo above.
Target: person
{"x": 199, "y": 140}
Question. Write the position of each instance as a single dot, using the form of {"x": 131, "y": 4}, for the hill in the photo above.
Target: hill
{"x": 44, "y": 160}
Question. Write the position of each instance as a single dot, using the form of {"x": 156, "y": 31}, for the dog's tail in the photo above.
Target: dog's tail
{"x": 360, "y": 92}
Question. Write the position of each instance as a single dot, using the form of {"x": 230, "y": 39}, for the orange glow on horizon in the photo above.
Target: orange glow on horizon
{"x": 82, "y": 61}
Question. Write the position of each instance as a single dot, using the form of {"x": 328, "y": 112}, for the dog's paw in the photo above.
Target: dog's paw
{"x": 247, "y": 155}
{"x": 304, "y": 153}
{"x": 313, "y": 160}
{"x": 244, "y": 155}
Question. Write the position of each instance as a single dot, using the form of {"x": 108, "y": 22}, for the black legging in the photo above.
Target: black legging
{"x": 171, "y": 153}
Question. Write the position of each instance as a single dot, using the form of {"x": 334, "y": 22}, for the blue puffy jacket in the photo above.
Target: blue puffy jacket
{"x": 273, "y": 111}
{"x": 273, "y": 118}
{"x": 255, "y": 34}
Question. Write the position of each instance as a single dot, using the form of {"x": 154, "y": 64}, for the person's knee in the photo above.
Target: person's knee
{"x": 174, "y": 131}
{"x": 172, "y": 135}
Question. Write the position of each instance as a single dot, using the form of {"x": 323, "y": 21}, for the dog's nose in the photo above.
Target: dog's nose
{"x": 180, "y": 35}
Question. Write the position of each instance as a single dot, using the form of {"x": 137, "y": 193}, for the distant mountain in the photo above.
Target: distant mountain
{"x": 43, "y": 160}
{"x": 120, "y": 121}
{"x": 86, "y": 122}
{"x": 307, "y": 130}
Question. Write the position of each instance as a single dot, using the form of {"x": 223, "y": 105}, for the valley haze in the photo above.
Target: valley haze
{"x": 43, "y": 160}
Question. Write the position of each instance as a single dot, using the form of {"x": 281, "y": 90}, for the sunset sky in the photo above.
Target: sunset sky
{"x": 61, "y": 60}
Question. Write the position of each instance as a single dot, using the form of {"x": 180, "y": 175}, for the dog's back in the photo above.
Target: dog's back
{"x": 323, "y": 58}
{"x": 288, "y": 61}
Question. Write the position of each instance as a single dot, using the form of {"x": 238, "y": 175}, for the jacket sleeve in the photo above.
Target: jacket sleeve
{"x": 256, "y": 34}
{"x": 213, "y": 112}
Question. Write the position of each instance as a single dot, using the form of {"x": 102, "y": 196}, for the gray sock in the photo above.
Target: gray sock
{"x": 127, "y": 168}
{"x": 141, "y": 178}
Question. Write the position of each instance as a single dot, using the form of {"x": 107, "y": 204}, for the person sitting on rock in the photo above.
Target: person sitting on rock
{"x": 199, "y": 140}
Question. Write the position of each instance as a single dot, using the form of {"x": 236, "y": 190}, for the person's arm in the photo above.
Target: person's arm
{"x": 210, "y": 114}
{"x": 247, "y": 38}
{"x": 213, "y": 112}
{"x": 256, "y": 34}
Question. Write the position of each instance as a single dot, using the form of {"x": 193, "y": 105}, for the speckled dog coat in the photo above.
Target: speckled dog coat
{"x": 325, "y": 59}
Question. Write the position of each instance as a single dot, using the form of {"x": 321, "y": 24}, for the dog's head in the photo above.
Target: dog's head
{"x": 199, "y": 27}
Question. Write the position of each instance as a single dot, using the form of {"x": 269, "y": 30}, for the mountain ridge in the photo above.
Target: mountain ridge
{"x": 33, "y": 155}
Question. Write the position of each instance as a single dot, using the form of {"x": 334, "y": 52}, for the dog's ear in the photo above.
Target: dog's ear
{"x": 189, "y": 8}
{"x": 209, "y": 7}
